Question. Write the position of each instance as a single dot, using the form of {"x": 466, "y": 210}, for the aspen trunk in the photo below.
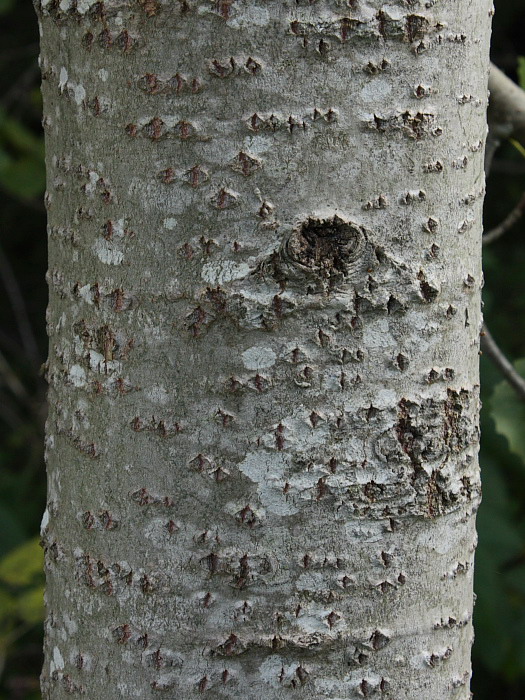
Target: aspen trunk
{"x": 264, "y": 226}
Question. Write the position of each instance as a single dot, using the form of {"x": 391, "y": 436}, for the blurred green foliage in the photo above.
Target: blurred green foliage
{"x": 499, "y": 650}
{"x": 23, "y": 298}
{"x": 22, "y": 171}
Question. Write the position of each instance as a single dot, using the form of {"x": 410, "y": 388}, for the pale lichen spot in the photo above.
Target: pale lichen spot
{"x": 224, "y": 271}
{"x": 77, "y": 375}
{"x": 94, "y": 177}
{"x": 258, "y": 144}
{"x": 84, "y": 5}
{"x": 252, "y": 16}
{"x": 377, "y": 334}
{"x": 98, "y": 363}
{"x": 258, "y": 358}
{"x": 157, "y": 394}
{"x": 376, "y": 90}
{"x": 79, "y": 93}
{"x": 385, "y": 398}
{"x": 85, "y": 293}
{"x": 62, "y": 80}
{"x": 58, "y": 659}
{"x": 267, "y": 471}
{"x": 45, "y": 521}
{"x": 107, "y": 252}
{"x": 270, "y": 670}
{"x": 170, "y": 223}
{"x": 70, "y": 624}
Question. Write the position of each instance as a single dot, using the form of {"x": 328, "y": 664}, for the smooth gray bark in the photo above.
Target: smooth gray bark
{"x": 264, "y": 225}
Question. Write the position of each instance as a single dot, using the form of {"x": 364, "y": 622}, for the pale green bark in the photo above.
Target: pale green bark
{"x": 264, "y": 276}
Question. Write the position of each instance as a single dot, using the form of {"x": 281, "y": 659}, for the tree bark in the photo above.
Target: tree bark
{"x": 264, "y": 226}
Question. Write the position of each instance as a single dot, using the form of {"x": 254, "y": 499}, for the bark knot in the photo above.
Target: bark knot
{"x": 327, "y": 246}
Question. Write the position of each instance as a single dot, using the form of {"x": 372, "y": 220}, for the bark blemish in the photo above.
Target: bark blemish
{"x": 327, "y": 246}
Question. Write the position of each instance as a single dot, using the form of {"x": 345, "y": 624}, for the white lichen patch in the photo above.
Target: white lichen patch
{"x": 91, "y": 185}
{"x": 267, "y": 471}
{"x": 157, "y": 532}
{"x": 170, "y": 223}
{"x": 58, "y": 659}
{"x": 45, "y": 521}
{"x": 98, "y": 363}
{"x": 84, "y": 5}
{"x": 376, "y": 90}
{"x": 107, "y": 252}
{"x": 311, "y": 581}
{"x": 157, "y": 394}
{"x": 258, "y": 144}
{"x": 385, "y": 398}
{"x": 224, "y": 271}
{"x": 70, "y": 624}
{"x": 79, "y": 93}
{"x": 85, "y": 293}
{"x": 377, "y": 334}
{"x": 77, "y": 376}
{"x": 258, "y": 358}
{"x": 62, "y": 79}
{"x": 272, "y": 668}
{"x": 252, "y": 16}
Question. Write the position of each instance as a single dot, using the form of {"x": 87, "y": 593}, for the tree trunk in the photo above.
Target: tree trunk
{"x": 264, "y": 224}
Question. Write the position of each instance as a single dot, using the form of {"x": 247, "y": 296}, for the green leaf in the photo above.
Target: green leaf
{"x": 521, "y": 71}
{"x": 6, "y": 6}
{"x": 21, "y": 566}
{"x": 12, "y": 531}
{"x": 508, "y": 411}
{"x": 24, "y": 177}
{"x": 500, "y": 535}
{"x": 18, "y": 137}
{"x": 516, "y": 578}
{"x": 492, "y": 615}
{"x": 30, "y": 605}
{"x": 5, "y": 159}
{"x": 7, "y": 607}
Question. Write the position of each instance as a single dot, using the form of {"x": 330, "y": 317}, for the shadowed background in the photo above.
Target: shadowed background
{"x": 499, "y": 650}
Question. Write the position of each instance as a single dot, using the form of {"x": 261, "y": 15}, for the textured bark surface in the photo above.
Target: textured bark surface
{"x": 264, "y": 223}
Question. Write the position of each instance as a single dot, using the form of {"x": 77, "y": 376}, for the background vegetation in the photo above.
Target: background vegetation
{"x": 499, "y": 650}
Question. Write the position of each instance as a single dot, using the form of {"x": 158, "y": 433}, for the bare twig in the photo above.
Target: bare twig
{"x": 507, "y": 105}
{"x": 491, "y": 349}
{"x": 507, "y": 223}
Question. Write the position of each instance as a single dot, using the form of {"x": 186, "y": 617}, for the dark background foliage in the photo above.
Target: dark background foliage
{"x": 499, "y": 649}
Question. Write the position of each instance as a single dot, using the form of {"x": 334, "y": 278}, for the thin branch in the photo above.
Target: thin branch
{"x": 506, "y": 105}
{"x": 491, "y": 349}
{"x": 507, "y": 223}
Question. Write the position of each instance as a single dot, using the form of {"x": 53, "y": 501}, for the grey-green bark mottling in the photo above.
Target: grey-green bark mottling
{"x": 264, "y": 225}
